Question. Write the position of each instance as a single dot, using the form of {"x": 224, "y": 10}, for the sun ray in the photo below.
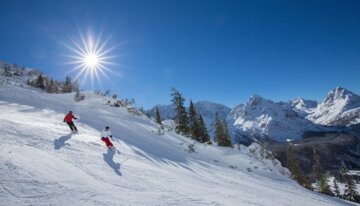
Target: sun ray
{"x": 91, "y": 57}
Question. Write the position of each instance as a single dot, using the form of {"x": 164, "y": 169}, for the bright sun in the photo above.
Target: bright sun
{"x": 92, "y": 61}
{"x": 91, "y": 58}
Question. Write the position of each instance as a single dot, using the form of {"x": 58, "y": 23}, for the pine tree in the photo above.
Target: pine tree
{"x": 158, "y": 117}
{"x": 7, "y": 71}
{"x": 336, "y": 188}
{"x": 106, "y": 93}
{"x": 47, "y": 86}
{"x": 56, "y": 88}
{"x": 204, "y": 136}
{"x": 221, "y": 132}
{"x": 193, "y": 122}
{"x": 226, "y": 139}
{"x": 50, "y": 86}
{"x": 317, "y": 167}
{"x": 343, "y": 171}
{"x": 67, "y": 86}
{"x": 75, "y": 86}
{"x": 40, "y": 82}
{"x": 219, "y": 129}
{"x": 181, "y": 117}
{"x": 294, "y": 168}
{"x": 350, "y": 192}
{"x": 324, "y": 185}
{"x": 29, "y": 82}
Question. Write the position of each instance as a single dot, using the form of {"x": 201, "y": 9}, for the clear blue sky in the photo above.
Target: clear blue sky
{"x": 221, "y": 51}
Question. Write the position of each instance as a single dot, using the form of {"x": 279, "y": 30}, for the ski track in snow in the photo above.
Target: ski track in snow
{"x": 42, "y": 163}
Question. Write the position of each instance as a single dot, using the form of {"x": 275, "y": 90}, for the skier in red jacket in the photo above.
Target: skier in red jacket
{"x": 68, "y": 119}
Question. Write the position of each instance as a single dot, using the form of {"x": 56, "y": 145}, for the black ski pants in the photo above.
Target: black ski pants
{"x": 72, "y": 126}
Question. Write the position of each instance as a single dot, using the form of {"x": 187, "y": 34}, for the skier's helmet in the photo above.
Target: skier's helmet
{"x": 70, "y": 112}
{"x": 107, "y": 127}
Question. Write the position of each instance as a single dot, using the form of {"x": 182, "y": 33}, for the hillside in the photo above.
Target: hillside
{"x": 41, "y": 163}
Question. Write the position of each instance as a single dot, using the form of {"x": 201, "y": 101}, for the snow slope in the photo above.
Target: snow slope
{"x": 42, "y": 164}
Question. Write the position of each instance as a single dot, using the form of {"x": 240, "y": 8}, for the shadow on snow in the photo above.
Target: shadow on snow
{"x": 109, "y": 159}
{"x": 59, "y": 143}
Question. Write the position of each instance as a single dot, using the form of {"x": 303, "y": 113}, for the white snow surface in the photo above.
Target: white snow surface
{"x": 42, "y": 163}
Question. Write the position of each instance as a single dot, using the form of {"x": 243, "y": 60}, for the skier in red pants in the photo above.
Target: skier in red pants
{"x": 105, "y": 136}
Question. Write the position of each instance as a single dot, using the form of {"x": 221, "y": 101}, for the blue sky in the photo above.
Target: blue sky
{"x": 221, "y": 51}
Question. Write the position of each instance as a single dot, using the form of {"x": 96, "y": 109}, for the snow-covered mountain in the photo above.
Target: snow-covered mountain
{"x": 278, "y": 121}
{"x": 291, "y": 120}
{"x": 41, "y": 163}
{"x": 341, "y": 107}
{"x": 303, "y": 107}
{"x": 166, "y": 111}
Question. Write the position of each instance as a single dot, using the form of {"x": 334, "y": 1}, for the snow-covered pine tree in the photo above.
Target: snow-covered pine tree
{"x": 343, "y": 170}
{"x": 57, "y": 87}
{"x": 7, "y": 71}
{"x": 227, "y": 138}
{"x": 336, "y": 188}
{"x": 50, "y": 86}
{"x": 158, "y": 117}
{"x": 181, "y": 117}
{"x": 350, "y": 192}
{"x": 219, "y": 129}
{"x": 67, "y": 85}
{"x": 40, "y": 82}
{"x": 47, "y": 86}
{"x": 106, "y": 93}
{"x": 79, "y": 96}
{"x": 193, "y": 122}
{"x": 75, "y": 86}
{"x": 204, "y": 135}
{"x": 221, "y": 133}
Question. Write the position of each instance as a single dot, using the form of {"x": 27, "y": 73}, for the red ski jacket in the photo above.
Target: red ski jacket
{"x": 69, "y": 117}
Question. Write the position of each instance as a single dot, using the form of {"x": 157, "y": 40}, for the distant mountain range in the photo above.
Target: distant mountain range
{"x": 280, "y": 121}
{"x": 332, "y": 127}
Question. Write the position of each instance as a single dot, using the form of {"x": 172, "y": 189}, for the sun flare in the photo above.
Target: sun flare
{"x": 91, "y": 58}
{"x": 91, "y": 61}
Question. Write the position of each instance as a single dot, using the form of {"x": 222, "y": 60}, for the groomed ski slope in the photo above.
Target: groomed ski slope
{"x": 41, "y": 163}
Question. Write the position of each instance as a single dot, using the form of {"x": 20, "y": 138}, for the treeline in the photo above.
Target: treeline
{"x": 191, "y": 124}
{"x": 321, "y": 177}
{"x": 54, "y": 86}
